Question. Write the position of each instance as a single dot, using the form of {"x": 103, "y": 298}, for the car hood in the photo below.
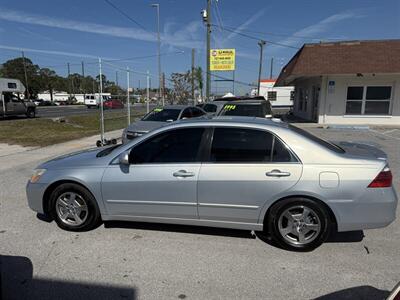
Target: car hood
{"x": 145, "y": 126}
{"x": 75, "y": 159}
{"x": 362, "y": 149}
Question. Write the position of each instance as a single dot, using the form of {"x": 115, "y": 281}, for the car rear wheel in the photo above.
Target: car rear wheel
{"x": 299, "y": 224}
{"x": 74, "y": 208}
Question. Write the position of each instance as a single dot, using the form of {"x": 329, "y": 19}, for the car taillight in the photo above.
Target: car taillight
{"x": 384, "y": 179}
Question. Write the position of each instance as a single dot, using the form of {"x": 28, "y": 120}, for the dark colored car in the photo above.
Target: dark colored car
{"x": 113, "y": 104}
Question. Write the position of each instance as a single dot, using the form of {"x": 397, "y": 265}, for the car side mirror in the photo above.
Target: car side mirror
{"x": 124, "y": 158}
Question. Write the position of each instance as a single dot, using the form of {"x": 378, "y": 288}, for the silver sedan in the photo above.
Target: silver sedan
{"x": 237, "y": 172}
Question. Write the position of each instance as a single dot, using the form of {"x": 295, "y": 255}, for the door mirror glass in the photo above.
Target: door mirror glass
{"x": 124, "y": 158}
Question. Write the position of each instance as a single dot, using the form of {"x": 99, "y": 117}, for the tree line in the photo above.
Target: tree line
{"x": 44, "y": 79}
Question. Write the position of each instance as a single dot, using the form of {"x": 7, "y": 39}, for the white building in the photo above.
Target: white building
{"x": 63, "y": 96}
{"x": 280, "y": 97}
{"x": 355, "y": 82}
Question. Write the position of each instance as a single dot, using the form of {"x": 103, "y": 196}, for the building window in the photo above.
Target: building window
{"x": 272, "y": 96}
{"x": 368, "y": 100}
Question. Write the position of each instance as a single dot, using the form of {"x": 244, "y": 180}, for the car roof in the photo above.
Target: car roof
{"x": 235, "y": 120}
{"x": 247, "y": 102}
{"x": 177, "y": 106}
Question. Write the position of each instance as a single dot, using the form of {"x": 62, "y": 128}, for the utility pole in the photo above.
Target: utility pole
{"x": 192, "y": 77}
{"x": 101, "y": 105}
{"x": 160, "y": 93}
{"x": 116, "y": 77}
{"x": 207, "y": 19}
{"x": 26, "y": 76}
{"x": 70, "y": 85}
{"x": 83, "y": 80}
{"x": 272, "y": 68}
{"x": 148, "y": 92}
{"x": 163, "y": 84}
{"x": 128, "y": 103}
{"x": 261, "y": 44}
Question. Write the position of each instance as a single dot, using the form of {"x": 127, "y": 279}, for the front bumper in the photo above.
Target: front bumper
{"x": 34, "y": 194}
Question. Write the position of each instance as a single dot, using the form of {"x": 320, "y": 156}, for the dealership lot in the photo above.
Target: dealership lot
{"x": 133, "y": 260}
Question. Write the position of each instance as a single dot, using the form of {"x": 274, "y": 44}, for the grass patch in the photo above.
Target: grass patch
{"x": 45, "y": 132}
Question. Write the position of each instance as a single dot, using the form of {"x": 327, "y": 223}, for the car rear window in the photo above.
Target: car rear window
{"x": 210, "y": 108}
{"x": 246, "y": 110}
{"x": 319, "y": 141}
{"x": 162, "y": 115}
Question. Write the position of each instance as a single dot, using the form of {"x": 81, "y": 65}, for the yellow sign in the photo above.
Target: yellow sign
{"x": 222, "y": 59}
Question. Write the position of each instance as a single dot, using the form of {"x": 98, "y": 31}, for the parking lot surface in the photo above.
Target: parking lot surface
{"x": 122, "y": 260}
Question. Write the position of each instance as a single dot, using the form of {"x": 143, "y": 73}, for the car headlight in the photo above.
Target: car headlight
{"x": 37, "y": 174}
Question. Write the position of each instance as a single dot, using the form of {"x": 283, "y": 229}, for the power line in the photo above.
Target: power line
{"x": 281, "y": 34}
{"x": 120, "y": 59}
{"x": 127, "y": 16}
{"x": 257, "y": 38}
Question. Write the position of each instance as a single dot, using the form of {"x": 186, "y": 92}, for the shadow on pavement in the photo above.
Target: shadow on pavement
{"x": 364, "y": 292}
{"x": 17, "y": 282}
{"x": 336, "y": 237}
{"x": 181, "y": 229}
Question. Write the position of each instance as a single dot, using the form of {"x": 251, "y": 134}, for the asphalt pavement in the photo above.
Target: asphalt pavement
{"x": 121, "y": 260}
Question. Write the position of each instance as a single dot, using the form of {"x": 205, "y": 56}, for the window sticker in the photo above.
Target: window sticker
{"x": 230, "y": 107}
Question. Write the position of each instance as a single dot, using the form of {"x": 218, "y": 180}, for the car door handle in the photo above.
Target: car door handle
{"x": 183, "y": 173}
{"x": 277, "y": 173}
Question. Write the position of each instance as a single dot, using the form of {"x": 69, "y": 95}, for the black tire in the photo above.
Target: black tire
{"x": 31, "y": 113}
{"x": 319, "y": 215}
{"x": 92, "y": 219}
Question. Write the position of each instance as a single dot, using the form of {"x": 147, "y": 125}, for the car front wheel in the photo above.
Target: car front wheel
{"x": 299, "y": 224}
{"x": 31, "y": 113}
{"x": 74, "y": 208}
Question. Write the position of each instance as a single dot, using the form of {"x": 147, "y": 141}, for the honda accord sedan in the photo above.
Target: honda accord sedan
{"x": 234, "y": 172}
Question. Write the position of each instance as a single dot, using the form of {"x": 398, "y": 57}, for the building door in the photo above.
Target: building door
{"x": 315, "y": 100}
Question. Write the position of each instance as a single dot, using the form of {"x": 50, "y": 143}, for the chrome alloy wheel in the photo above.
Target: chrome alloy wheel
{"x": 72, "y": 209}
{"x": 299, "y": 225}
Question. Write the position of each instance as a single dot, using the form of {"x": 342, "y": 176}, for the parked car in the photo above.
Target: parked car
{"x": 93, "y": 100}
{"x": 214, "y": 108}
{"x": 113, "y": 104}
{"x": 249, "y": 108}
{"x": 236, "y": 172}
{"x": 158, "y": 117}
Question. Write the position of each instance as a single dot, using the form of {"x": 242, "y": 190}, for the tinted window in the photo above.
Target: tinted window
{"x": 196, "y": 112}
{"x": 355, "y": 92}
{"x": 180, "y": 145}
{"x": 162, "y": 115}
{"x": 249, "y": 110}
{"x": 12, "y": 85}
{"x": 210, "y": 108}
{"x": 187, "y": 113}
{"x": 317, "y": 140}
{"x": 240, "y": 145}
{"x": 379, "y": 92}
{"x": 281, "y": 153}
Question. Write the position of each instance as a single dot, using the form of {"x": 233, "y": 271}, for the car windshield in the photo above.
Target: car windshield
{"x": 162, "y": 115}
{"x": 248, "y": 110}
{"x": 210, "y": 108}
{"x": 323, "y": 143}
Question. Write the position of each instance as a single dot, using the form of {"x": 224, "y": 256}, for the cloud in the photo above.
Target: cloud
{"x": 320, "y": 27}
{"x": 52, "y": 52}
{"x": 245, "y": 24}
{"x": 181, "y": 38}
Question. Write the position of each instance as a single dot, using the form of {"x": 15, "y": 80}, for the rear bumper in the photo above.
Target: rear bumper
{"x": 376, "y": 209}
{"x": 34, "y": 194}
